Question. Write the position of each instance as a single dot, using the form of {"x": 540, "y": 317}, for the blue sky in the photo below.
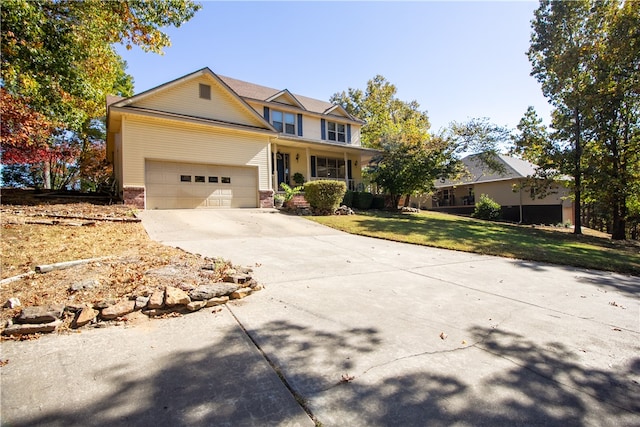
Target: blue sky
{"x": 459, "y": 60}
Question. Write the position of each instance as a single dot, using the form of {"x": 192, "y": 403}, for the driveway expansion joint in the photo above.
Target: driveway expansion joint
{"x": 296, "y": 396}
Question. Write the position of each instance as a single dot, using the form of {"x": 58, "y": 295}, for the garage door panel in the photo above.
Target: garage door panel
{"x": 165, "y": 188}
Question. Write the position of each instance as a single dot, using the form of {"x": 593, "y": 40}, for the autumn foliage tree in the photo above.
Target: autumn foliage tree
{"x": 59, "y": 63}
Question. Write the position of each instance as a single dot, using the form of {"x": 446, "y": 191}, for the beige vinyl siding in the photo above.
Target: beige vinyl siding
{"x": 502, "y": 192}
{"x": 311, "y": 127}
{"x": 185, "y": 99}
{"x": 156, "y": 139}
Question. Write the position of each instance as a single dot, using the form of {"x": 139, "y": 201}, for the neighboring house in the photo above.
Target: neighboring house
{"x": 518, "y": 204}
{"x": 205, "y": 140}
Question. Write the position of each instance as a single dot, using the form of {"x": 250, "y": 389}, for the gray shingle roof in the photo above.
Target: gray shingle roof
{"x": 480, "y": 172}
{"x": 262, "y": 93}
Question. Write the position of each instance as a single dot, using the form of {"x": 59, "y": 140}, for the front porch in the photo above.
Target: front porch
{"x": 295, "y": 163}
{"x": 462, "y": 196}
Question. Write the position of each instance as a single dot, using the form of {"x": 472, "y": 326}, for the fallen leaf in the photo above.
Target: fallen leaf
{"x": 346, "y": 378}
{"x": 443, "y": 336}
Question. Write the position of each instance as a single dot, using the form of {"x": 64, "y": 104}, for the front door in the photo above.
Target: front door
{"x": 282, "y": 164}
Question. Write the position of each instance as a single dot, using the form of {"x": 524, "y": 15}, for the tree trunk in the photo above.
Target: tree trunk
{"x": 577, "y": 177}
{"x": 46, "y": 175}
{"x": 407, "y": 199}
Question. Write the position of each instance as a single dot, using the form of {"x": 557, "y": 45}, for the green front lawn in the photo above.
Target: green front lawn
{"x": 491, "y": 238}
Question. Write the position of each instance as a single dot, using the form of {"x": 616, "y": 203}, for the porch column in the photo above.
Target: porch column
{"x": 308, "y": 156}
{"x": 274, "y": 176}
{"x": 346, "y": 170}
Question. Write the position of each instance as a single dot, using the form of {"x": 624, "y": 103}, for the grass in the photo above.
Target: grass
{"x": 492, "y": 238}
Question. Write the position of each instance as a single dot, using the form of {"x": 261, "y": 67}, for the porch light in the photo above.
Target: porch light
{"x": 297, "y": 157}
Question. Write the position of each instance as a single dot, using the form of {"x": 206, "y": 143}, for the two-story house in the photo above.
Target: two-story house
{"x": 205, "y": 140}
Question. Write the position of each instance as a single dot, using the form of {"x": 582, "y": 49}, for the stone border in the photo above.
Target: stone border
{"x": 45, "y": 319}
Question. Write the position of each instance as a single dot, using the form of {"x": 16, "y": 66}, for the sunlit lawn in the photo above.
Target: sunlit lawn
{"x": 491, "y": 238}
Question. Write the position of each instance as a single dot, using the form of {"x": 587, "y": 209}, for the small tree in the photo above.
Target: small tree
{"x": 486, "y": 208}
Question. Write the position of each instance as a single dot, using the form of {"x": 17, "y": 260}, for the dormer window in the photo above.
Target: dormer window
{"x": 205, "y": 91}
{"x": 336, "y": 132}
{"x": 284, "y": 122}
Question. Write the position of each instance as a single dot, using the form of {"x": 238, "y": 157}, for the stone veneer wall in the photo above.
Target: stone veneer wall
{"x": 134, "y": 196}
{"x": 266, "y": 198}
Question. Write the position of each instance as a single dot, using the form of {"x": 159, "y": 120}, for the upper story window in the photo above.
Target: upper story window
{"x": 336, "y": 132}
{"x": 284, "y": 122}
{"x": 205, "y": 91}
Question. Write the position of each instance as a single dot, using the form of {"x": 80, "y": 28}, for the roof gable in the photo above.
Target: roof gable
{"x": 338, "y": 110}
{"x": 285, "y": 97}
{"x": 181, "y": 96}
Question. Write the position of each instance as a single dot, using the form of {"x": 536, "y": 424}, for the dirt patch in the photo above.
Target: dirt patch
{"x": 77, "y": 228}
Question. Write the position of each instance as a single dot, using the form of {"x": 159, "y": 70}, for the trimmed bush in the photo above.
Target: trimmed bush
{"x": 486, "y": 208}
{"x": 324, "y": 196}
{"x": 348, "y": 199}
{"x": 362, "y": 200}
{"x": 378, "y": 202}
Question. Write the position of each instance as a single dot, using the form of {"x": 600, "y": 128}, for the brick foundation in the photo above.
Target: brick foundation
{"x": 133, "y": 196}
{"x": 266, "y": 198}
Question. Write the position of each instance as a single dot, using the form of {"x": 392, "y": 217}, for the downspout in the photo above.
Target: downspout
{"x": 520, "y": 191}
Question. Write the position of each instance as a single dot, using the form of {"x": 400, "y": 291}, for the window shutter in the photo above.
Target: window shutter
{"x": 349, "y": 134}
{"x": 323, "y": 130}
{"x": 313, "y": 166}
{"x": 266, "y": 114}
{"x": 349, "y": 171}
{"x": 299, "y": 124}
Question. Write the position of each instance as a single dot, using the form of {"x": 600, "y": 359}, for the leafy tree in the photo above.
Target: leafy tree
{"x": 59, "y": 58}
{"x": 405, "y": 169}
{"x": 24, "y": 132}
{"x": 586, "y": 55}
{"x": 386, "y": 115}
{"x": 560, "y": 53}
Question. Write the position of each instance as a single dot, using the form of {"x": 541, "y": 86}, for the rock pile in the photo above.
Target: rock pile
{"x": 344, "y": 210}
{"x": 407, "y": 209}
{"x": 153, "y": 303}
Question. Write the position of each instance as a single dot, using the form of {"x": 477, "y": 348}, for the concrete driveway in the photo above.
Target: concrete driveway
{"x": 370, "y": 332}
{"x": 362, "y": 332}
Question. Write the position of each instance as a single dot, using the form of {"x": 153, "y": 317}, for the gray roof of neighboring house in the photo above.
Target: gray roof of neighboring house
{"x": 478, "y": 171}
{"x": 262, "y": 93}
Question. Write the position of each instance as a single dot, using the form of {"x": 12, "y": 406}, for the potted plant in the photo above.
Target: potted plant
{"x": 290, "y": 192}
{"x": 278, "y": 200}
{"x": 298, "y": 178}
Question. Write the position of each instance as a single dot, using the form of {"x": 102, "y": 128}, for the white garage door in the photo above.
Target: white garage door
{"x": 171, "y": 185}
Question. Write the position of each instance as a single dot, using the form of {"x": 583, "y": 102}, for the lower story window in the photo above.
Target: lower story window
{"x": 327, "y": 167}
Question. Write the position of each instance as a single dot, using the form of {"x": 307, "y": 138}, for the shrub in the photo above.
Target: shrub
{"x": 362, "y": 200}
{"x": 324, "y": 196}
{"x": 486, "y": 208}
{"x": 378, "y": 202}
{"x": 348, "y": 199}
